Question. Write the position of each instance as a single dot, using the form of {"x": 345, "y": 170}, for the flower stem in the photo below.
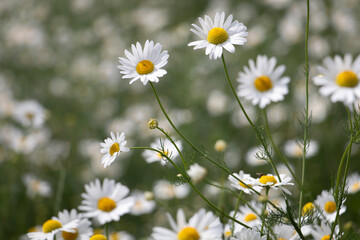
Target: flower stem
{"x": 305, "y": 139}
{"x": 107, "y": 230}
{"x": 267, "y": 152}
{"x": 60, "y": 187}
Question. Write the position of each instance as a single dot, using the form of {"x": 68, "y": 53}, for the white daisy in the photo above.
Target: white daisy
{"x": 353, "y": 183}
{"x": 197, "y": 173}
{"x": 339, "y": 79}
{"x": 203, "y": 225}
{"x": 252, "y": 159}
{"x": 262, "y": 83}
{"x": 293, "y": 149}
{"x": 53, "y": 227}
{"x": 218, "y": 34}
{"x": 82, "y": 232}
{"x": 122, "y": 235}
{"x": 107, "y": 202}
{"x": 165, "y": 190}
{"x": 247, "y": 179}
{"x": 30, "y": 113}
{"x": 141, "y": 205}
{"x": 112, "y": 147}
{"x": 248, "y": 215}
{"x": 284, "y": 232}
{"x": 166, "y": 147}
{"x": 323, "y": 232}
{"x": 248, "y": 234}
{"x": 146, "y": 64}
{"x": 325, "y": 202}
{"x": 274, "y": 182}
{"x": 36, "y": 186}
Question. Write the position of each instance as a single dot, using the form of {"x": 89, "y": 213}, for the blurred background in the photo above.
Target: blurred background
{"x": 61, "y": 94}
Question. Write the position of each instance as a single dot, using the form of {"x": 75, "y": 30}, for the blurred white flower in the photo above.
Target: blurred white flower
{"x": 285, "y": 232}
{"x": 353, "y": 183}
{"x": 146, "y": 64}
{"x": 203, "y": 225}
{"x": 262, "y": 83}
{"x": 324, "y": 230}
{"x": 122, "y": 235}
{"x": 247, "y": 215}
{"x": 197, "y": 173}
{"x": 294, "y": 149}
{"x": 252, "y": 159}
{"x": 218, "y": 34}
{"x": 106, "y": 202}
{"x": 248, "y": 234}
{"x": 35, "y": 186}
{"x": 141, "y": 205}
{"x": 217, "y": 103}
{"x": 112, "y": 147}
{"x": 166, "y": 148}
{"x": 30, "y": 113}
{"x": 339, "y": 79}
{"x": 165, "y": 190}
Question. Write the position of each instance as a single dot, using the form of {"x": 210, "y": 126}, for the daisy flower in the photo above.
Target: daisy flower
{"x": 30, "y": 113}
{"x": 293, "y": 149}
{"x": 165, "y": 190}
{"x": 197, "y": 173}
{"x": 166, "y": 147}
{"x": 203, "y": 225}
{"x": 274, "y": 182}
{"x": 323, "y": 232}
{"x": 353, "y": 183}
{"x": 262, "y": 83}
{"x": 144, "y": 64}
{"x": 82, "y": 232}
{"x": 112, "y": 147}
{"x": 106, "y": 202}
{"x": 248, "y": 234}
{"x": 285, "y": 232}
{"x": 327, "y": 206}
{"x": 121, "y": 235}
{"x": 252, "y": 158}
{"x": 339, "y": 79}
{"x": 247, "y": 215}
{"x": 53, "y": 227}
{"x": 35, "y": 186}
{"x": 247, "y": 179}
{"x": 141, "y": 205}
{"x": 218, "y": 34}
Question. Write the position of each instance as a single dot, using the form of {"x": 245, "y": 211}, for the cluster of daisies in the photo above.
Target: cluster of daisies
{"x": 261, "y": 82}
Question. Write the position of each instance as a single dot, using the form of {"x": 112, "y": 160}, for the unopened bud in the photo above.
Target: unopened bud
{"x": 220, "y": 145}
{"x": 263, "y": 198}
{"x": 148, "y": 196}
{"x": 153, "y": 123}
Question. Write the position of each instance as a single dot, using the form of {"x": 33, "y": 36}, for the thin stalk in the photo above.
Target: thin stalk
{"x": 305, "y": 139}
{"x": 276, "y": 149}
{"x": 184, "y": 174}
{"x": 193, "y": 146}
{"x": 235, "y": 211}
{"x": 60, "y": 187}
{"x": 107, "y": 230}
{"x": 263, "y": 212}
{"x": 248, "y": 118}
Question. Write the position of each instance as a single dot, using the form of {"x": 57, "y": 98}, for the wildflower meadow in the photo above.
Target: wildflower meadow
{"x": 180, "y": 120}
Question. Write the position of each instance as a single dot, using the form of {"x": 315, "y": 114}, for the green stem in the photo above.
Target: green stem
{"x": 267, "y": 152}
{"x": 107, "y": 230}
{"x": 60, "y": 187}
{"x": 193, "y": 146}
{"x": 235, "y": 211}
{"x": 305, "y": 139}
{"x": 277, "y": 151}
{"x": 184, "y": 174}
{"x": 263, "y": 212}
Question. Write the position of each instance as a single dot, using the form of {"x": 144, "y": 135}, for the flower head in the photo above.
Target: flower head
{"x": 218, "y": 34}
{"x": 106, "y": 202}
{"x": 339, "y": 79}
{"x": 245, "y": 178}
{"x": 54, "y": 227}
{"x": 203, "y": 225}
{"x": 144, "y": 64}
{"x": 248, "y": 234}
{"x": 196, "y": 173}
{"x": 112, "y": 147}
{"x": 353, "y": 183}
{"x": 323, "y": 232}
{"x": 141, "y": 205}
{"x": 275, "y": 182}
{"x": 166, "y": 148}
{"x": 262, "y": 83}
{"x": 247, "y": 215}
{"x": 326, "y": 204}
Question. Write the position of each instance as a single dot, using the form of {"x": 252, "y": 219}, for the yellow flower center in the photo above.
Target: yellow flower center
{"x": 330, "y": 207}
{"x": 29, "y": 116}
{"x": 70, "y": 235}
{"x": 114, "y": 149}
{"x": 263, "y": 83}
{"x": 347, "y": 79}
{"x": 327, "y": 237}
{"x": 188, "y": 233}
{"x": 264, "y": 179}
{"x": 217, "y": 35}
{"x": 227, "y": 233}
{"x": 250, "y": 217}
{"x": 51, "y": 225}
{"x": 243, "y": 185}
{"x": 355, "y": 187}
{"x": 98, "y": 237}
{"x": 32, "y": 229}
{"x": 106, "y": 204}
{"x": 160, "y": 155}
{"x": 307, "y": 208}
{"x": 114, "y": 236}
{"x": 281, "y": 239}
{"x": 144, "y": 67}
